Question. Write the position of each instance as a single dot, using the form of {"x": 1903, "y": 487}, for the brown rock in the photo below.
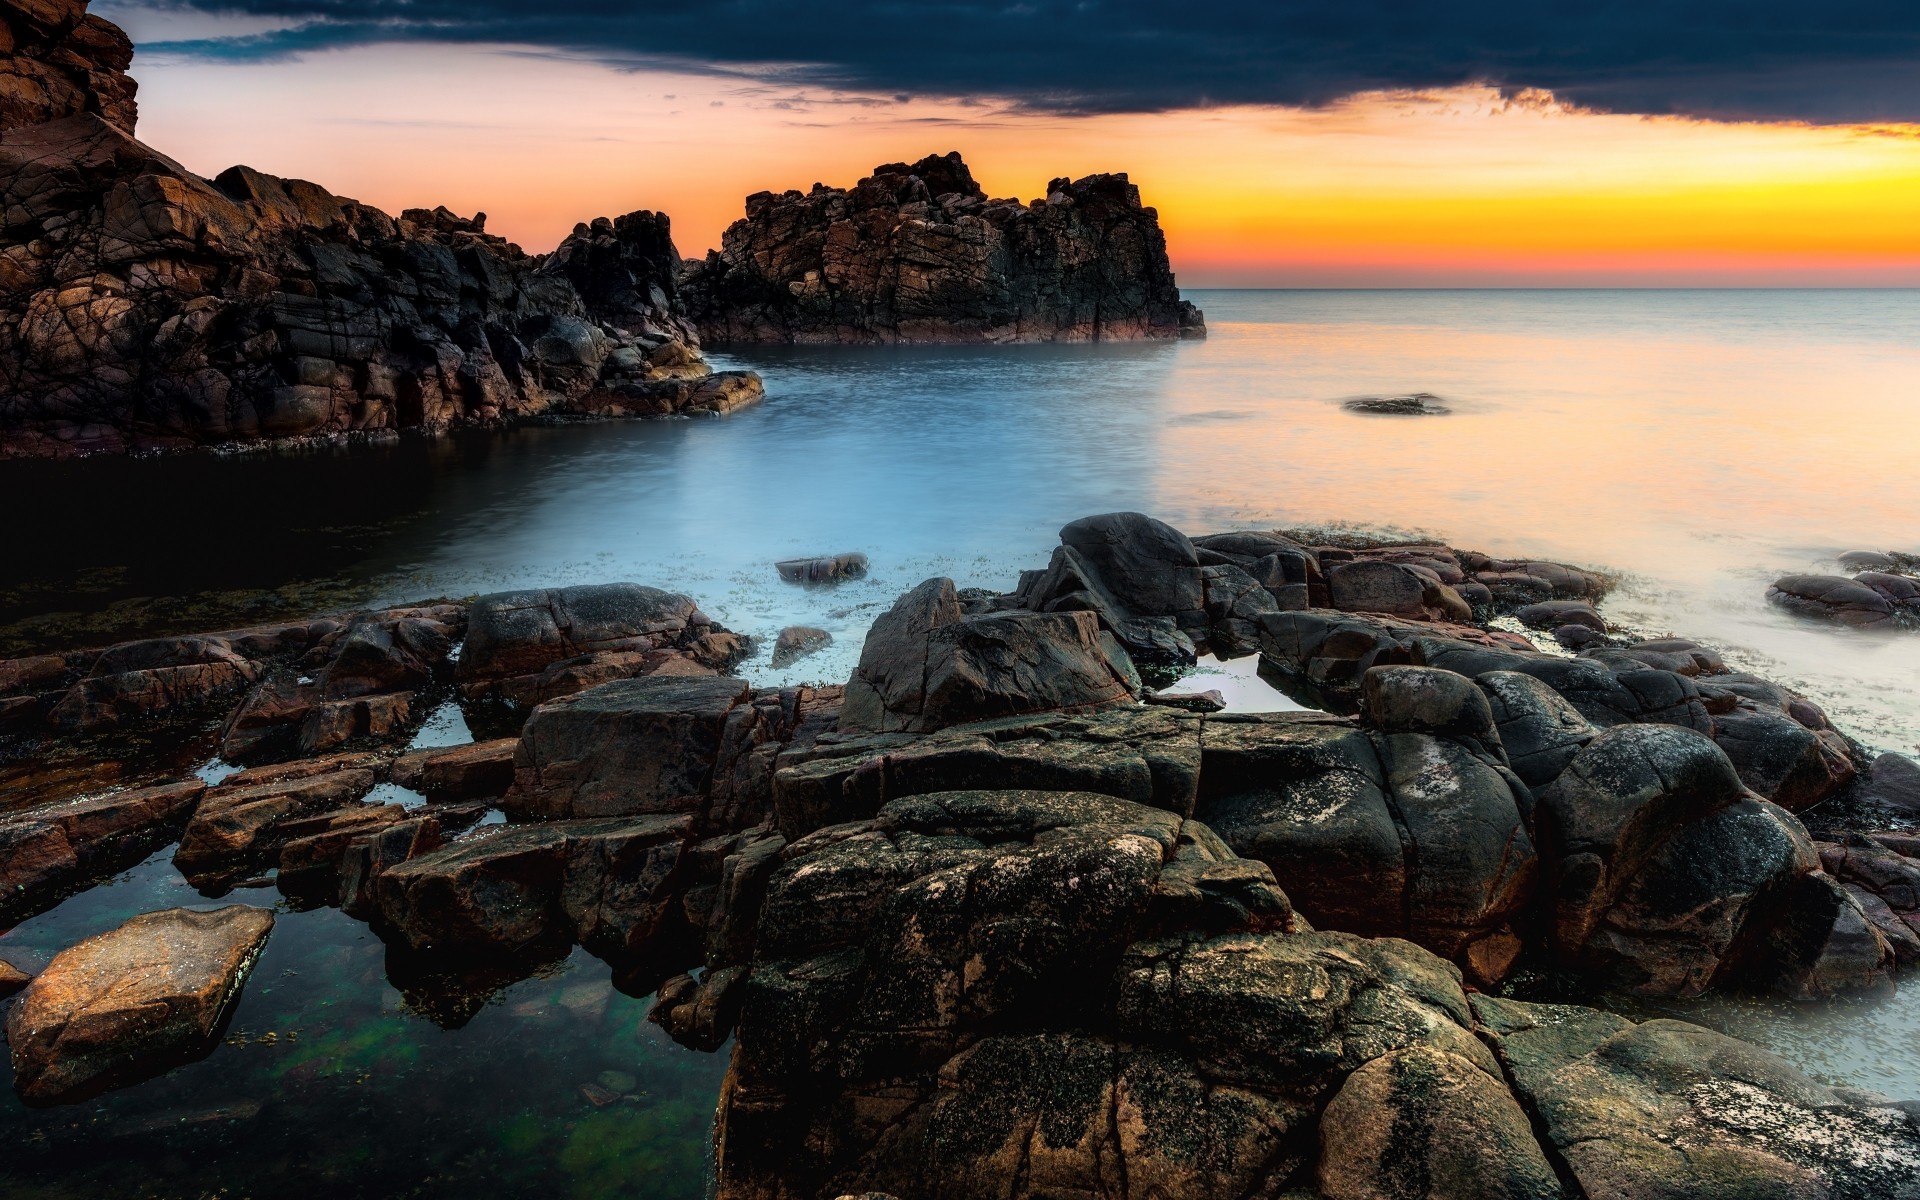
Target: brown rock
{"x": 638, "y": 746}
{"x": 1423, "y": 1124}
{"x": 236, "y": 827}
{"x": 129, "y": 1003}
{"x": 459, "y": 772}
{"x": 45, "y": 850}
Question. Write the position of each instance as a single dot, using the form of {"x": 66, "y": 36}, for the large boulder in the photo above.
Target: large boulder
{"x": 628, "y": 748}
{"x": 1834, "y": 598}
{"x": 532, "y": 646}
{"x": 918, "y": 253}
{"x": 1391, "y": 833}
{"x": 1670, "y": 1111}
{"x": 927, "y": 665}
{"x": 132, "y": 1002}
{"x": 1655, "y": 856}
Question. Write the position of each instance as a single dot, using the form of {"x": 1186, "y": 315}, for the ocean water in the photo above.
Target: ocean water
{"x": 1694, "y": 444}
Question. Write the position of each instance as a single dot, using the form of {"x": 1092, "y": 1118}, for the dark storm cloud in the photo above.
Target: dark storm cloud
{"x": 1769, "y": 59}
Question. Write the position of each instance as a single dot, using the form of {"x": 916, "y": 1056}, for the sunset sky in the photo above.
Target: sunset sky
{"x": 1277, "y": 154}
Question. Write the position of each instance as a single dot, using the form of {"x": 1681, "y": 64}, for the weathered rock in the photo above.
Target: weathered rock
{"x": 532, "y": 644}
{"x": 132, "y": 1002}
{"x": 605, "y": 883}
{"x": 1834, "y": 598}
{"x": 1655, "y": 854}
{"x": 312, "y": 848}
{"x": 136, "y": 681}
{"x": 1425, "y": 1124}
{"x": 145, "y": 306}
{"x": 827, "y": 568}
{"x": 1667, "y": 1110}
{"x": 469, "y": 772}
{"x": 241, "y": 825}
{"x": 1150, "y": 756}
{"x": 12, "y": 979}
{"x": 1419, "y": 404}
{"x": 927, "y": 665}
{"x": 46, "y": 850}
{"x": 797, "y": 642}
{"x": 1539, "y": 730}
{"x": 634, "y": 747}
{"x": 1894, "y": 781}
{"x": 1819, "y": 942}
{"x": 1374, "y": 586}
{"x": 918, "y": 253}
{"x": 1552, "y": 614}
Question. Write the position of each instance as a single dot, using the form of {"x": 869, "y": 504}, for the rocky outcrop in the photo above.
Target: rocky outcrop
{"x": 532, "y": 646}
{"x": 143, "y": 306}
{"x": 919, "y": 253}
{"x": 131, "y": 1002}
{"x": 59, "y": 61}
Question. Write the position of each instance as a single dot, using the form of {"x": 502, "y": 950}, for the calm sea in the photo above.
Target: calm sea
{"x": 1696, "y": 443}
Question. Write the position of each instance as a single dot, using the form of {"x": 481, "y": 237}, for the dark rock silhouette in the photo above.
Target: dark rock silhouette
{"x": 919, "y": 253}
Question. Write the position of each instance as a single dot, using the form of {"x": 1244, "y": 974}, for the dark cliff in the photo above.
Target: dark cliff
{"x": 143, "y": 306}
{"x": 919, "y": 253}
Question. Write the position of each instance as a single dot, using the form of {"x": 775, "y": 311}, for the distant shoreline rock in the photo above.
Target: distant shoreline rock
{"x": 919, "y": 253}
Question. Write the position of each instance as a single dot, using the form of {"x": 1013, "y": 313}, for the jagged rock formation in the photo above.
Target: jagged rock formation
{"x": 918, "y": 253}
{"x": 143, "y": 306}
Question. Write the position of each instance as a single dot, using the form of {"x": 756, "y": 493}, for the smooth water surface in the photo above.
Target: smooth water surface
{"x": 1698, "y": 444}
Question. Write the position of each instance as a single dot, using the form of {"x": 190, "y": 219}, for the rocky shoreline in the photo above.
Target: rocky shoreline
{"x": 981, "y": 908}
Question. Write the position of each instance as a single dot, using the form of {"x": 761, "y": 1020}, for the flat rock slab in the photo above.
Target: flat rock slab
{"x": 239, "y": 826}
{"x": 459, "y": 772}
{"x": 632, "y": 747}
{"x": 45, "y": 850}
{"x": 132, "y": 1002}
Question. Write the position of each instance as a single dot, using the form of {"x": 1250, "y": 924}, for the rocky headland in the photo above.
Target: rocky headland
{"x": 919, "y": 253}
{"x": 144, "y": 307}
{"x": 981, "y": 923}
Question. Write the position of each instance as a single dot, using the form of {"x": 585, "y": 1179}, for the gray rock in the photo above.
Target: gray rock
{"x": 831, "y": 568}
{"x": 927, "y": 665}
{"x": 633, "y": 747}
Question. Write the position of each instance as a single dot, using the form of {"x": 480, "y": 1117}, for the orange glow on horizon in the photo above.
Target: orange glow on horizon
{"x": 1462, "y": 186}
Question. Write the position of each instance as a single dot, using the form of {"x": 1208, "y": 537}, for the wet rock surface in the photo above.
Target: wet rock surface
{"x": 131, "y": 1002}
{"x": 1419, "y": 404}
{"x": 919, "y": 253}
{"x": 986, "y": 910}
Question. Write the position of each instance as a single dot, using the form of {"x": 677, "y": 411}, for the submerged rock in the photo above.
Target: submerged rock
{"x": 132, "y": 1002}
{"x": 918, "y": 253}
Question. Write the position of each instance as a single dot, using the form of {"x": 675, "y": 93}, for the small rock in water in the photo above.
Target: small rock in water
{"x": 12, "y": 978}
{"x": 829, "y": 568}
{"x": 1419, "y": 404}
{"x": 796, "y": 642}
{"x": 617, "y": 1081}
{"x": 131, "y": 1002}
{"x": 596, "y": 1095}
{"x": 1210, "y": 701}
